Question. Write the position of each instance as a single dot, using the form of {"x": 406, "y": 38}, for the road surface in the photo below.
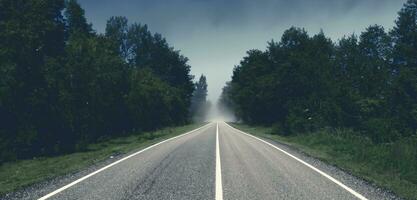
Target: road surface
{"x": 214, "y": 162}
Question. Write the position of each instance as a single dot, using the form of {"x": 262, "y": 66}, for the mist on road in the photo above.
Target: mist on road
{"x": 219, "y": 113}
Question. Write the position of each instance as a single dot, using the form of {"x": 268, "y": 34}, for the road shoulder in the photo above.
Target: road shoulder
{"x": 369, "y": 190}
{"x": 91, "y": 162}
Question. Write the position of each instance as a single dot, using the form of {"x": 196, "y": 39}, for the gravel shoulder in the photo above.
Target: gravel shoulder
{"x": 367, "y": 189}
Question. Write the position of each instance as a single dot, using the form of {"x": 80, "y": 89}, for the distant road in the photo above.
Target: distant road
{"x": 214, "y": 162}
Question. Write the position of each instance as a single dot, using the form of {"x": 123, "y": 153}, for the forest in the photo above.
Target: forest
{"x": 303, "y": 83}
{"x": 63, "y": 85}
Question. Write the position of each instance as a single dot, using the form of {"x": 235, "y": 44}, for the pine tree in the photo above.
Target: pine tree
{"x": 76, "y": 21}
{"x": 199, "y": 104}
{"x": 404, "y": 94}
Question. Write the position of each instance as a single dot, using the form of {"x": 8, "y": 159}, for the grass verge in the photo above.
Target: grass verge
{"x": 392, "y": 166}
{"x": 19, "y": 174}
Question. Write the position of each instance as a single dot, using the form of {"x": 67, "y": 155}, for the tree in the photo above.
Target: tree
{"x": 374, "y": 81}
{"x": 404, "y": 35}
{"x": 347, "y": 76}
{"x": 117, "y": 31}
{"x": 151, "y": 101}
{"x": 32, "y": 43}
{"x": 246, "y": 82}
{"x": 200, "y": 92}
{"x": 76, "y": 21}
{"x": 404, "y": 91}
{"x": 225, "y": 104}
{"x": 153, "y": 52}
{"x": 302, "y": 83}
{"x": 225, "y": 100}
{"x": 62, "y": 85}
{"x": 375, "y": 49}
{"x": 199, "y": 104}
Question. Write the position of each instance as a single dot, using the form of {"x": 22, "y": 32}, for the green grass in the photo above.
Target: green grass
{"x": 392, "y": 166}
{"x": 16, "y": 175}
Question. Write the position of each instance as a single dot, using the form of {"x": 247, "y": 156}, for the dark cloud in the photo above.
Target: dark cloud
{"x": 215, "y": 34}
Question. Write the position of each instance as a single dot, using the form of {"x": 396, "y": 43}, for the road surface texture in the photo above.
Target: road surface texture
{"x": 218, "y": 162}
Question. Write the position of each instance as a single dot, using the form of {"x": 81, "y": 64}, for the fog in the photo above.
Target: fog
{"x": 218, "y": 113}
{"x": 215, "y": 34}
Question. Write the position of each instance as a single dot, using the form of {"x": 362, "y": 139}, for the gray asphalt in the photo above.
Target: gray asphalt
{"x": 253, "y": 170}
{"x": 184, "y": 168}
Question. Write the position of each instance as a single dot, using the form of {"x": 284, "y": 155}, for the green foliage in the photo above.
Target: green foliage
{"x": 199, "y": 104}
{"x": 32, "y": 43}
{"x": 403, "y": 97}
{"x": 225, "y": 100}
{"x": 77, "y": 24}
{"x": 151, "y": 101}
{"x": 63, "y": 86}
{"x": 302, "y": 83}
{"x": 116, "y": 30}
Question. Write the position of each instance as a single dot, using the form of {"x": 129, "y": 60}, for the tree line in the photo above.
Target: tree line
{"x": 63, "y": 85}
{"x": 305, "y": 83}
{"x": 200, "y": 106}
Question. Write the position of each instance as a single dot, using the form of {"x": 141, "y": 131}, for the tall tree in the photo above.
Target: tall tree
{"x": 153, "y": 52}
{"x": 225, "y": 100}
{"x": 374, "y": 82}
{"x": 116, "y": 30}
{"x": 347, "y": 75}
{"x": 404, "y": 36}
{"x": 200, "y": 92}
{"x": 199, "y": 104}
{"x": 76, "y": 21}
{"x": 404, "y": 94}
{"x": 375, "y": 48}
{"x": 152, "y": 102}
{"x": 62, "y": 85}
{"x": 32, "y": 42}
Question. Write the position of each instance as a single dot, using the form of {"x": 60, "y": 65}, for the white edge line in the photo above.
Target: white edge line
{"x": 116, "y": 162}
{"x": 219, "y": 187}
{"x": 356, "y": 194}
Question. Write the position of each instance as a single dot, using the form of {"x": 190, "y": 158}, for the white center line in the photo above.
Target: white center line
{"x": 219, "y": 187}
{"x": 350, "y": 190}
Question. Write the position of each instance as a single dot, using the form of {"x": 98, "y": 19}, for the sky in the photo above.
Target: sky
{"x": 215, "y": 34}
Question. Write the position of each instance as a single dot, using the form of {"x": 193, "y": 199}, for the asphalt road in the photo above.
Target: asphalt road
{"x": 216, "y": 162}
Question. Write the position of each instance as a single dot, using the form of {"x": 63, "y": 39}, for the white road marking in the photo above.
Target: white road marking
{"x": 219, "y": 187}
{"x": 356, "y": 194}
{"x": 114, "y": 163}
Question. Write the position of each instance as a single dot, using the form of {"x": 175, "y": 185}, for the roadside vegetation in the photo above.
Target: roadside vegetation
{"x": 71, "y": 97}
{"x": 391, "y": 165}
{"x": 200, "y": 106}
{"x": 64, "y": 86}
{"x": 301, "y": 84}
{"x": 16, "y": 175}
{"x": 352, "y": 102}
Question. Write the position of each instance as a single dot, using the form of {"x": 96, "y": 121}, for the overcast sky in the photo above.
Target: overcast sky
{"x": 215, "y": 34}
